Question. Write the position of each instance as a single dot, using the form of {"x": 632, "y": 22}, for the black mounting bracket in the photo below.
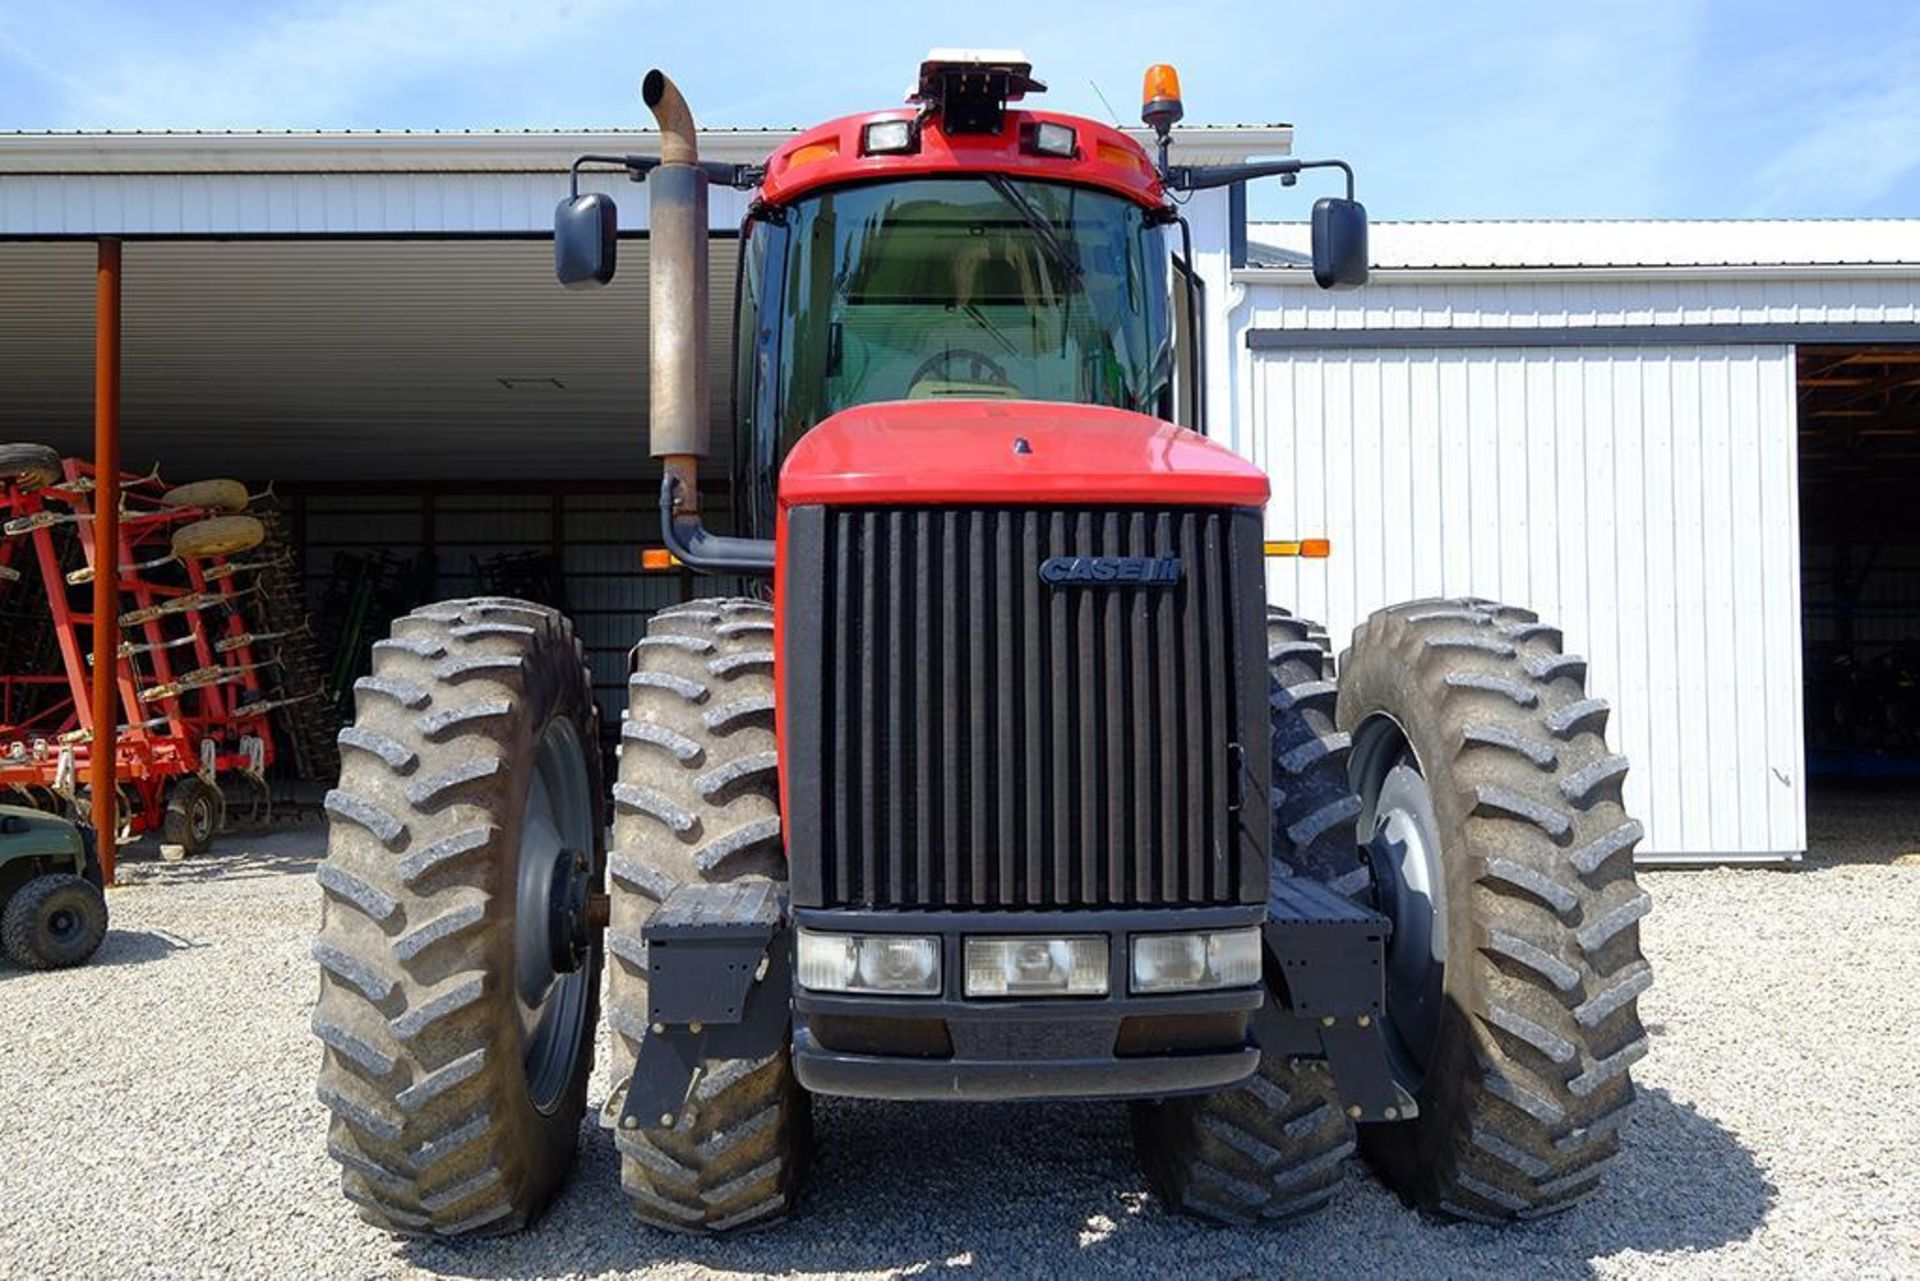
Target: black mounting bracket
{"x": 739, "y": 177}
{"x": 1202, "y": 177}
{"x": 1329, "y": 953}
{"x": 719, "y": 986}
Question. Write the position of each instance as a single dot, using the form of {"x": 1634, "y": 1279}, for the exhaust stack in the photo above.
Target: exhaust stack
{"x": 678, "y": 296}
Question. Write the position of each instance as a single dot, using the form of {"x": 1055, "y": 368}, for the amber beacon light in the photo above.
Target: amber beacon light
{"x": 1160, "y": 97}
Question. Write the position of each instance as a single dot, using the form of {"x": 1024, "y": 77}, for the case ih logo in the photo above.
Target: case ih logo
{"x": 1108, "y": 571}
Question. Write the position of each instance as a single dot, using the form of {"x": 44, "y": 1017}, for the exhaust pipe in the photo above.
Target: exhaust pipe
{"x": 678, "y": 295}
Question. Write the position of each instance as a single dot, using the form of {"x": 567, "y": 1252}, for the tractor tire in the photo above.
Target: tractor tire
{"x": 1282, "y": 626}
{"x": 1275, "y": 1147}
{"x": 192, "y": 819}
{"x": 217, "y": 536}
{"x": 458, "y": 1000}
{"x": 54, "y": 921}
{"x": 1474, "y": 740}
{"x": 224, "y": 496}
{"x": 698, "y": 801}
{"x": 29, "y": 466}
{"x": 1314, "y": 808}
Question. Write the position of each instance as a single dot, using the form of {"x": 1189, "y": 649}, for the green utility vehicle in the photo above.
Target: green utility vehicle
{"x": 53, "y": 908}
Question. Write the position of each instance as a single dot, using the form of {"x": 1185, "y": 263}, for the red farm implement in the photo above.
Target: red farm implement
{"x": 197, "y": 679}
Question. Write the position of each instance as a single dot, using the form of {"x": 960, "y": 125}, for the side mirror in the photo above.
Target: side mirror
{"x": 1339, "y": 243}
{"x": 586, "y": 232}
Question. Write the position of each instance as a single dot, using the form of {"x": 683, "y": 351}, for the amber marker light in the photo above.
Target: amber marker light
{"x": 658, "y": 558}
{"x": 1311, "y": 548}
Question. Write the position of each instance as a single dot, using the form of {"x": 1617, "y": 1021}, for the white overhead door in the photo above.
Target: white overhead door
{"x": 1642, "y": 498}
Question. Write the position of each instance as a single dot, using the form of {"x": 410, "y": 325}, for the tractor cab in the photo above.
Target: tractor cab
{"x": 1004, "y": 274}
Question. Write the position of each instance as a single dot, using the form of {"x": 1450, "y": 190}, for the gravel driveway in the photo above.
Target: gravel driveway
{"x": 159, "y": 1116}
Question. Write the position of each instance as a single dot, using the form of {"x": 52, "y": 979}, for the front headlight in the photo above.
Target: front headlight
{"x": 1029, "y": 966}
{"x": 1196, "y": 962}
{"x": 871, "y": 964}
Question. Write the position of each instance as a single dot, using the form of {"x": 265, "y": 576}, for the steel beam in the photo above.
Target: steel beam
{"x": 106, "y": 549}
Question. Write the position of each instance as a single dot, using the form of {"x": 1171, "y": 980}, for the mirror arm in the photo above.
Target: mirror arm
{"x": 637, "y": 166}
{"x": 1203, "y": 177}
{"x": 739, "y": 177}
{"x": 688, "y": 539}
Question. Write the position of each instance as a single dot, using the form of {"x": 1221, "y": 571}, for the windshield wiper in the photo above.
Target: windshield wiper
{"x": 1043, "y": 229}
{"x": 979, "y": 318}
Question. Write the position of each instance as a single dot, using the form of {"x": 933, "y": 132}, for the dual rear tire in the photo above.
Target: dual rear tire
{"x": 459, "y": 980}
{"x": 1461, "y": 750}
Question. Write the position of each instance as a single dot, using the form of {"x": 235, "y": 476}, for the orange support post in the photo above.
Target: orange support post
{"x": 106, "y": 548}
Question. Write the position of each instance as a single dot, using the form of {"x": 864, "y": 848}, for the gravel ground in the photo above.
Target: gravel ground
{"x": 160, "y": 1119}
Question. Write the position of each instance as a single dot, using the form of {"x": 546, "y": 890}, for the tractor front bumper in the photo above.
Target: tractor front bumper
{"x": 948, "y": 1045}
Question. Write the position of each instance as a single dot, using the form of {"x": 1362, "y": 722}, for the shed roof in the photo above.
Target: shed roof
{"x": 465, "y": 151}
{"x": 1611, "y": 244}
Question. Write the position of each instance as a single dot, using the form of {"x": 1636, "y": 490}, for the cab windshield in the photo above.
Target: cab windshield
{"x": 982, "y": 287}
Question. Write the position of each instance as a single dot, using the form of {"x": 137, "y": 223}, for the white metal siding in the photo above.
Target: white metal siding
{"x": 1642, "y": 498}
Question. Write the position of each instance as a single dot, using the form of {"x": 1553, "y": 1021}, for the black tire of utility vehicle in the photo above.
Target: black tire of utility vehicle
{"x": 1276, "y": 1146}
{"x": 29, "y": 466}
{"x": 1526, "y": 1081}
{"x": 698, "y": 801}
{"x": 192, "y": 818}
{"x": 427, "y": 1067}
{"x": 54, "y": 921}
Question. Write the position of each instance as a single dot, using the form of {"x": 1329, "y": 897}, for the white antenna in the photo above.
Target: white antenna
{"x": 1094, "y": 85}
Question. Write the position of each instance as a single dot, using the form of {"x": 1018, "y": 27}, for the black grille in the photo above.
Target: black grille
{"x": 962, "y": 734}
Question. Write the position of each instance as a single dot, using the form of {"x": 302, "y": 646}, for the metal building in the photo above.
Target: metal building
{"x": 1688, "y": 444}
{"x": 1650, "y": 433}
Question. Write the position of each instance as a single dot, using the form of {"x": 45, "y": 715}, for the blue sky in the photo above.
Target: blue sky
{"x": 1450, "y": 108}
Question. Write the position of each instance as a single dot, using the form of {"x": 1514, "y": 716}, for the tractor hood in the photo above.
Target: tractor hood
{"x": 1012, "y": 451}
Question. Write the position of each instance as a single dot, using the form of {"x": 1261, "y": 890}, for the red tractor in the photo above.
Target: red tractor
{"x": 1009, "y": 785}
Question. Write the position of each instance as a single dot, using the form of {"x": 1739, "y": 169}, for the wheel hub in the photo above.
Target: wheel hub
{"x": 63, "y": 924}
{"x": 1404, "y": 852}
{"x": 552, "y": 940}
{"x": 567, "y": 934}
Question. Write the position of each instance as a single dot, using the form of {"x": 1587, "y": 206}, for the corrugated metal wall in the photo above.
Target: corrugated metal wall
{"x": 1642, "y": 498}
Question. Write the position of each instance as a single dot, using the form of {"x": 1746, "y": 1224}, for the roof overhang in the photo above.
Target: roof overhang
{"x": 480, "y": 152}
